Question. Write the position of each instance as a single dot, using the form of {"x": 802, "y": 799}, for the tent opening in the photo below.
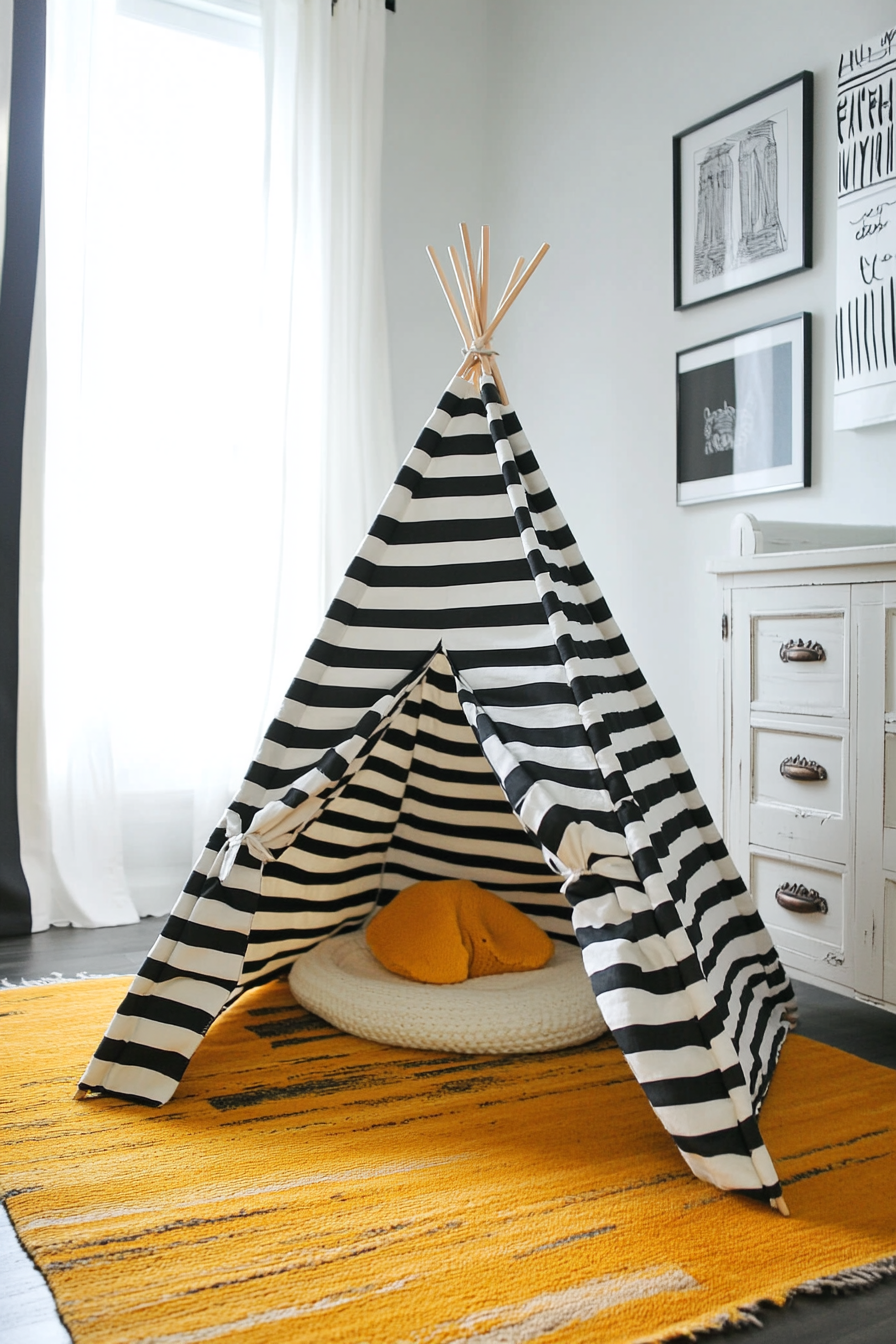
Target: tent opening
{"x": 419, "y": 802}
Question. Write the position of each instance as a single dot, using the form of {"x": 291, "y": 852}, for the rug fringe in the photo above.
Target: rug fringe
{"x": 851, "y": 1280}
{"x": 57, "y": 978}
{"x": 857, "y": 1279}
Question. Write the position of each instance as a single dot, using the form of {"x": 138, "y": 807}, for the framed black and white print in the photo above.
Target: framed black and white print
{"x": 743, "y": 413}
{"x": 742, "y": 194}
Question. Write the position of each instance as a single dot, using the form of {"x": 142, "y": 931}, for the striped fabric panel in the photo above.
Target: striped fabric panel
{"x": 423, "y": 803}
{"x": 456, "y": 821}
{"x": 468, "y": 700}
{"x": 674, "y": 849}
{"x": 650, "y": 988}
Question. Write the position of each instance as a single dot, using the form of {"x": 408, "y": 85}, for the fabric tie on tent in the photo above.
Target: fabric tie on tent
{"x": 226, "y": 856}
{"x": 478, "y": 347}
{"x": 470, "y": 710}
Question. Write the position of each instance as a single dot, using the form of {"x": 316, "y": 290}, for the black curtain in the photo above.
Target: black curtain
{"x": 23, "y": 197}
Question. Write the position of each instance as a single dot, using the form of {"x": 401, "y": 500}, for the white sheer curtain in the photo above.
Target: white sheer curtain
{"x": 324, "y": 96}
{"x": 213, "y": 430}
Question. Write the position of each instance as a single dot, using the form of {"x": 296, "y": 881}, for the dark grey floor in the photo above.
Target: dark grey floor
{"x": 67, "y": 951}
{"x": 857, "y": 1318}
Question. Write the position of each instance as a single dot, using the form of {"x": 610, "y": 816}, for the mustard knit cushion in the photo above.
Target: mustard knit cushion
{"x": 441, "y": 933}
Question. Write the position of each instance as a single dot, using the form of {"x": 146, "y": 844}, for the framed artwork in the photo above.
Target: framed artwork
{"x": 743, "y": 413}
{"x": 742, "y": 194}
{"x": 865, "y": 312}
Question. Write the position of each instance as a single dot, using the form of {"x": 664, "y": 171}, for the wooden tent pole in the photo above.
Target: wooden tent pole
{"x": 471, "y": 272}
{"x": 514, "y": 276}
{"x": 483, "y": 275}
{"x": 465, "y": 297}
{"x": 499, "y": 381}
{"x": 516, "y": 290}
{"x": 472, "y": 316}
{"x": 446, "y": 290}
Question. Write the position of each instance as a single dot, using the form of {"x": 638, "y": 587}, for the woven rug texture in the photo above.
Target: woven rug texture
{"x": 304, "y": 1185}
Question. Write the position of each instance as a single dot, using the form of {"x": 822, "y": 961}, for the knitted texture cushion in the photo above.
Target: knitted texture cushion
{"x": 448, "y": 931}
{"x": 514, "y": 1013}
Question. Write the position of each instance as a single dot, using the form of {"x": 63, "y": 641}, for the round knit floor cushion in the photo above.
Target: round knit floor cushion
{"x": 520, "y": 1012}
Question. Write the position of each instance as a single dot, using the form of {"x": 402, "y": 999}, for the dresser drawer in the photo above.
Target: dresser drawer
{"x": 890, "y": 664}
{"x": 890, "y": 801}
{"x": 799, "y": 662}
{"x": 807, "y": 941}
{"x": 799, "y": 792}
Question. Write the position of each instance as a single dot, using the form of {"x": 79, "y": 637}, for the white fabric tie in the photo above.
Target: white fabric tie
{"x": 231, "y": 848}
{"x": 477, "y": 348}
{"x": 613, "y": 866}
{"x": 226, "y": 856}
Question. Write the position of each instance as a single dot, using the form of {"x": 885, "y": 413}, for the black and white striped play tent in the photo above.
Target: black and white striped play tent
{"x": 470, "y": 709}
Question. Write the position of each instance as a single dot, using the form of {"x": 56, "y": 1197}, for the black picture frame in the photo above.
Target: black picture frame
{"x": 738, "y": 225}
{"x": 743, "y": 419}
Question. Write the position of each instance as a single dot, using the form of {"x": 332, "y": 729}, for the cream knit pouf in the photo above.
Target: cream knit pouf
{"x": 518, "y": 1013}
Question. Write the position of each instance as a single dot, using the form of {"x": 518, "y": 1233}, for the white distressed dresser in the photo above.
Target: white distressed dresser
{"x": 809, "y": 758}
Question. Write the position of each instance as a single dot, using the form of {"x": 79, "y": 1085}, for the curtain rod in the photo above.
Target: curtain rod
{"x": 390, "y": 4}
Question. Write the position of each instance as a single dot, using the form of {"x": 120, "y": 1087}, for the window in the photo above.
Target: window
{"x": 157, "y": 487}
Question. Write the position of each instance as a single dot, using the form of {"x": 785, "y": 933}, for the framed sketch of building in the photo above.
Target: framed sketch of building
{"x": 742, "y": 193}
{"x": 743, "y": 413}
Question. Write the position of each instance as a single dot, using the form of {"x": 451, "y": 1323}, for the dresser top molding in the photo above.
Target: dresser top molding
{"x": 846, "y": 564}
{"x": 807, "y": 552}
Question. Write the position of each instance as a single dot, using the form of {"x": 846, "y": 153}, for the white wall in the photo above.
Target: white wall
{"x": 433, "y": 177}
{"x": 571, "y": 113}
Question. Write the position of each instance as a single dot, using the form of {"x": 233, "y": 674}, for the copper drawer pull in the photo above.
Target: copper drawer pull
{"x": 795, "y": 651}
{"x": 802, "y": 900}
{"x": 797, "y": 767}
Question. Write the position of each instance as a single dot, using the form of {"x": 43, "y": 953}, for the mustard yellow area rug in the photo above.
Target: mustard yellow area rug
{"x": 308, "y": 1186}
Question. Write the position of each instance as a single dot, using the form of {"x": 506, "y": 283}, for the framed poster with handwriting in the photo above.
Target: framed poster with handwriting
{"x": 742, "y": 194}
{"x": 865, "y": 317}
{"x": 743, "y": 413}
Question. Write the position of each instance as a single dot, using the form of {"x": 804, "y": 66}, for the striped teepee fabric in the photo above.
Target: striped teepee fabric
{"x": 470, "y": 709}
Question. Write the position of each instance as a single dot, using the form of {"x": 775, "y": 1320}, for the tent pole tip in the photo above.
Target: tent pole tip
{"x": 781, "y": 1205}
